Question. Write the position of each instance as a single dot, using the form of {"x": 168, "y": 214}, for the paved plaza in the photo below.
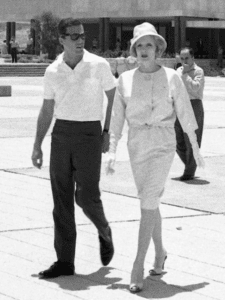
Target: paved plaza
{"x": 193, "y": 215}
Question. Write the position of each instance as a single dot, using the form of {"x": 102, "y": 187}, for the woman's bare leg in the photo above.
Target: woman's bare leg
{"x": 147, "y": 224}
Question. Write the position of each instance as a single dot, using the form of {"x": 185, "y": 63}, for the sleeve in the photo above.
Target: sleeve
{"x": 118, "y": 117}
{"x": 196, "y": 83}
{"x": 107, "y": 78}
{"x": 48, "y": 93}
{"x": 184, "y": 110}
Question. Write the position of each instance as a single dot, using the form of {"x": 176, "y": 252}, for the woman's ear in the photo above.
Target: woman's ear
{"x": 158, "y": 53}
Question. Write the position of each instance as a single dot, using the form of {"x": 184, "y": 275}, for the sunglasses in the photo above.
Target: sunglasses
{"x": 75, "y": 36}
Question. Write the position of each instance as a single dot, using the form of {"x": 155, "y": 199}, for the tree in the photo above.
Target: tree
{"x": 46, "y": 28}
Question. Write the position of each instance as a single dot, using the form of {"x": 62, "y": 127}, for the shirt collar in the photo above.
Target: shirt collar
{"x": 87, "y": 57}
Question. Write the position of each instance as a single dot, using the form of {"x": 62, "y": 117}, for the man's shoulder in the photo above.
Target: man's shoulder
{"x": 53, "y": 67}
{"x": 91, "y": 57}
{"x": 198, "y": 69}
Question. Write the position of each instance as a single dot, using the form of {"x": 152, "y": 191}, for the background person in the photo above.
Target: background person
{"x": 73, "y": 92}
{"x": 194, "y": 81}
{"x": 95, "y": 43}
{"x": 149, "y": 97}
{"x": 177, "y": 61}
{"x": 14, "y": 49}
{"x": 200, "y": 47}
{"x": 4, "y": 48}
{"x": 220, "y": 57}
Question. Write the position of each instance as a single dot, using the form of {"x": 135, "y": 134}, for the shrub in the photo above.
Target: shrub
{"x": 46, "y": 26}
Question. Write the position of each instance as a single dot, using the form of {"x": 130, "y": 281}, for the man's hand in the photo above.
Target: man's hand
{"x": 185, "y": 68}
{"x": 37, "y": 158}
{"x": 105, "y": 141}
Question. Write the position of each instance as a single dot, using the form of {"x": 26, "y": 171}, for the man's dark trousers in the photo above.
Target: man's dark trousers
{"x": 14, "y": 54}
{"x": 75, "y": 165}
{"x": 184, "y": 148}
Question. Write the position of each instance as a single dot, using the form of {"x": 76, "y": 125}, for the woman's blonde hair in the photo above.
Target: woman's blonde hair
{"x": 159, "y": 46}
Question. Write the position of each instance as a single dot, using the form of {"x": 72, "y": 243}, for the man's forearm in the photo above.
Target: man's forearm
{"x": 108, "y": 116}
{"x": 43, "y": 123}
{"x": 110, "y": 96}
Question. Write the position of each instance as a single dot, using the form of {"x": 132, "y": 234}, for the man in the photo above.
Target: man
{"x": 73, "y": 92}
{"x": 193, "y": 78}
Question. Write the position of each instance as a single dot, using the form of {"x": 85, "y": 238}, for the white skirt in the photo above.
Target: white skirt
{"x": 151, "y": 150}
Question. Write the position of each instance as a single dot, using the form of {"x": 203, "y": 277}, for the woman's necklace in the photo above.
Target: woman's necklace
{"x": 147, "y": 76}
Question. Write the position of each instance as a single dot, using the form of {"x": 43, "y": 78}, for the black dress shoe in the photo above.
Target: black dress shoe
{"x": 57, "y": 269}
{"x": 186, "y": 177}
{"x": 106, "y": 249}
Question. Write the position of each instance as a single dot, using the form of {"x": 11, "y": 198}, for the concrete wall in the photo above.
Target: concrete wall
{"x": 21, "y": 10}
{"x": 204, "y": 8}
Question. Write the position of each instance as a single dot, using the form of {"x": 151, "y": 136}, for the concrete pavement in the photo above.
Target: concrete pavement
{"x": 195, "y": 268}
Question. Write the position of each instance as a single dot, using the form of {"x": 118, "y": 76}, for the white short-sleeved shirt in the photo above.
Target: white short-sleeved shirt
{"x": 78, "y": 92}
{"x": 194, "y": 81}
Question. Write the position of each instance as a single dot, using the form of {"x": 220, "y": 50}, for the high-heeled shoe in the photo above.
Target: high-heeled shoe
{"x": 159, "y": 264}
{"x": 136, "y": 284}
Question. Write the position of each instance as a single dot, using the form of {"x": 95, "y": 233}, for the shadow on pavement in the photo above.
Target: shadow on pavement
{"x": 84, "y": 282}
{"x": 194, "y": 181}
{"x": 159, "y": 289}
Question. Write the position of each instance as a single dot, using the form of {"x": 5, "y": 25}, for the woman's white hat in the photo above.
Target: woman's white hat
{"x": 146, "y": 29}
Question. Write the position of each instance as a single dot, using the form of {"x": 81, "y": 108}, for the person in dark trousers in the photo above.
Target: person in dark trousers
{"x": 14, "y": 49}
{"x": 220, "y": 57}
{"x": 74, "y": 86}
{"x": 200, "y": 47}
{"x": 193, "y": 78}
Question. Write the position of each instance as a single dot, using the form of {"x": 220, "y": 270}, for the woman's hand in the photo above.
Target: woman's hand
{"x": 198, "y": 158}
{"x": 110, "y": 164}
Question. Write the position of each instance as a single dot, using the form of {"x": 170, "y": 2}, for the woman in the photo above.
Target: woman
{"x": 150, "y": 97}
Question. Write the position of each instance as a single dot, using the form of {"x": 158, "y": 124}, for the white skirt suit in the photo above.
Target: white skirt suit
{"x": 150, "y": 104}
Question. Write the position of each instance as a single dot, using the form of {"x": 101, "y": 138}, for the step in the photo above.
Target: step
{"x": 22, "y": 70}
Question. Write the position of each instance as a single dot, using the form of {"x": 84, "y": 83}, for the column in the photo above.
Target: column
{"x": 101, "y": 34}
{"x": 176, "y": 34}
{"x": 106, "y": 34}
{"x": 179, "y": 32}
{"x": 8, "y": 35}
{"x": 210, "y": 50}
{"x": 215, "y": 44}
{"x": 182, "y": 31}
{"x": 13, "y": 29}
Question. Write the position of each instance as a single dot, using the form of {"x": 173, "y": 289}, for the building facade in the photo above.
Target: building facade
{"x": 199, "y": 24}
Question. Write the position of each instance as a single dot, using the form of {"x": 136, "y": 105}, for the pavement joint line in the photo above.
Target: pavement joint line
{"x": 16, "y": 137}
{"x": 175, "y": 205}
{"x": 7, "y": 296}
{"x": 195, "y": 209}
{"x": 114, "y": 193}
{"x": 111, "y": 222}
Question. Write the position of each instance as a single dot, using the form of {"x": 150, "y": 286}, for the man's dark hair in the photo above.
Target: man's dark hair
{"x": 65, "y": 23}
{"x": 190, "y": 50}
